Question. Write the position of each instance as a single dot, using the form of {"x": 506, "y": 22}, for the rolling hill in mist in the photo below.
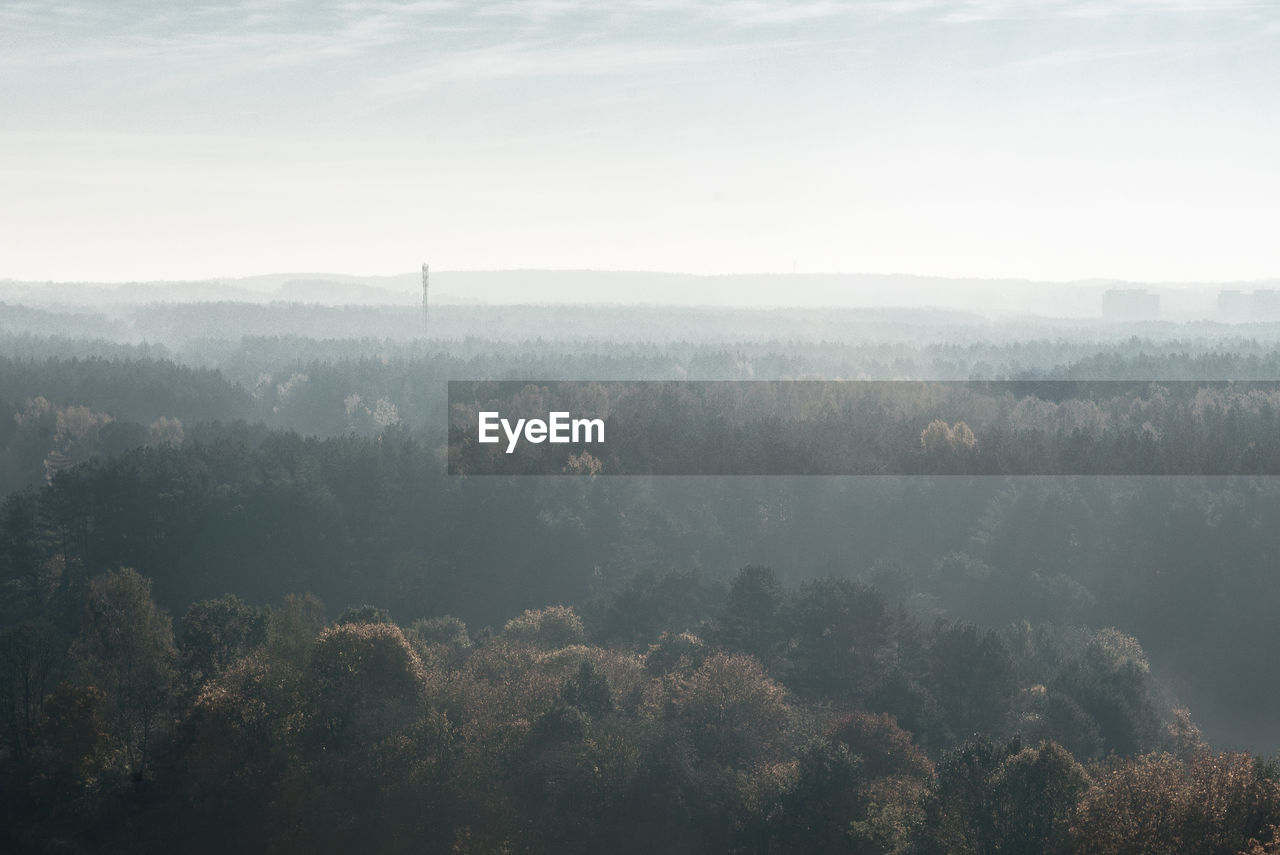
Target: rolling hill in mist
{"x": 990, "y": 297}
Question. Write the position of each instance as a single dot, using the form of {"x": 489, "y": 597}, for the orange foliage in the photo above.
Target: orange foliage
{"x": 1215, "y": 805}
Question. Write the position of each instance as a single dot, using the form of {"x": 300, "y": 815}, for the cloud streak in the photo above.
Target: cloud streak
{"x": 265, "y": 33}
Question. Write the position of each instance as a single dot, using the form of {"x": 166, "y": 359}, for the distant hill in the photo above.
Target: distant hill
{"x": 988, "y": 297}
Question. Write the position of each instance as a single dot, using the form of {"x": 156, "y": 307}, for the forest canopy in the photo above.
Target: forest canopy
{"x": 243, "y": 605}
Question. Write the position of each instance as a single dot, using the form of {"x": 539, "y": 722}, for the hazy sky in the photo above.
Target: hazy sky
{"x": 1052, "y": 139}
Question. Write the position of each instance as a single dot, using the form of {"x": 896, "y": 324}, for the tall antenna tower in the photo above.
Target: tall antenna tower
{"x": 425, "y": 275}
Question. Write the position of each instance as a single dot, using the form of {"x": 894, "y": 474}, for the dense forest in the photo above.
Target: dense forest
{"x": 243, "y": 605}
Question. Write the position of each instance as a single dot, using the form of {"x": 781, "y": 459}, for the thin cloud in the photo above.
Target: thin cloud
{"x": 525, "y": 59}
{"x": 391, "y": 50}
{"x": 755, "y": 13}
{"x": 43, "y": 34}
{"x": 976, "y": 11}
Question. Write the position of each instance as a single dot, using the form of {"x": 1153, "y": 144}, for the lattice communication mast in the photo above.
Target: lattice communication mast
{"x": 425, "y": 275}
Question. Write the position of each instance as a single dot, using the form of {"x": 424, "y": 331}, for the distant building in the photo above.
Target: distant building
{"x": 1234, "y": 305}
{"x": 1130, "y": 304}
{"x": 1261, "y": 305}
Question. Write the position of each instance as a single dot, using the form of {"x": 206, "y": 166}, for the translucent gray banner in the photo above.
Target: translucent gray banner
{"x": 864, "y": 428}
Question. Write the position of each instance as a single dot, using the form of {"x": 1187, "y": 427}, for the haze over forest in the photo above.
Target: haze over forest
{"x": 250, "y": 486}
{"x": 244, "y": 606}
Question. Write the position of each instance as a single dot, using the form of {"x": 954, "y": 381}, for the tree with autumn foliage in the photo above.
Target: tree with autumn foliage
{"x": 126, "y": 649}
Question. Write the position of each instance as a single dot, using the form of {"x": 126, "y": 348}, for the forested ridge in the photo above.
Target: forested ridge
{"x": 243, "y": 606}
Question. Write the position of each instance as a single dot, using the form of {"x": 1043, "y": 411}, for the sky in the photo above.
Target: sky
{"x": 1045, "y": 139}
